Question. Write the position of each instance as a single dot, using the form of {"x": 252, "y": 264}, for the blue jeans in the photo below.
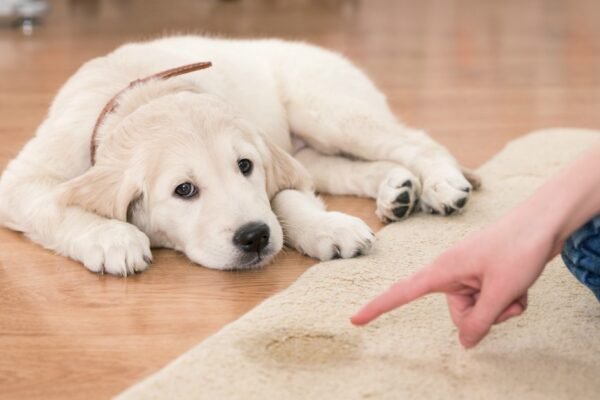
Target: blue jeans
{"x": 581, "y": 254}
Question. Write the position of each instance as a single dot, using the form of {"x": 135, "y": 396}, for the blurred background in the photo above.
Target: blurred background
{"x": 473, "y": 73}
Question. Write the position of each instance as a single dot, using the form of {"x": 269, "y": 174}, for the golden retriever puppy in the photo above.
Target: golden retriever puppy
{"x": 220, "y": 164}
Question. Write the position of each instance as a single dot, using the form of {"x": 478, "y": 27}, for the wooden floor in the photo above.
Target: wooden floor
{"x": 473, "y": 73}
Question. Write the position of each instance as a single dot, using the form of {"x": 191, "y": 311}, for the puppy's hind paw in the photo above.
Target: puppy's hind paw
{"x": 398, "y": 195}
{"x": 445, "y": 193}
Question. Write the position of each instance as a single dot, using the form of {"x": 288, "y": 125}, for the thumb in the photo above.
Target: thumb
{"x": 476, "y": 325}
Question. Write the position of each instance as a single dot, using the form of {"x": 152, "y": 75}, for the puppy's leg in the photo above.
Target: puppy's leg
{"x": 317, "y": 233}
{"x": 337, "y": 109}
{"x": 395, "y": 188}
{"x": 29, "y": 205}
{"x": 351, "y": 126}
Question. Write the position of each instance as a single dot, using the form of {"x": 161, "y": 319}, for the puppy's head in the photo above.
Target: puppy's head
{"x": 194, "y": 177}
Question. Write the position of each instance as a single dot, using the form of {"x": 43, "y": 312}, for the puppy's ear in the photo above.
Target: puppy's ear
{"x": 285, "y": 172}
{"x": 105, "y": 191}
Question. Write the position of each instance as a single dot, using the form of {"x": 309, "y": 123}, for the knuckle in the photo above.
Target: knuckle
{"x": 474, "y": 328}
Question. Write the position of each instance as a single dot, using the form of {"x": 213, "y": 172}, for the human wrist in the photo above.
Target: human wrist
{"x": 545, "y": 217}
{"x": 558, "y": 208}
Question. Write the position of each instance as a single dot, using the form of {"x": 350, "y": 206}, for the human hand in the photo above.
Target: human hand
{"x": 485, "y": 277}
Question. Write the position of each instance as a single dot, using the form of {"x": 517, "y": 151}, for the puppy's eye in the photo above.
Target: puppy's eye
{"x": 245, "y": 166}
{"x": 186, "y": 190}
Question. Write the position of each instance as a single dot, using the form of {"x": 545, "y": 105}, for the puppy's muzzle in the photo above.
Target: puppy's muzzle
{"x": 252, "y": 237}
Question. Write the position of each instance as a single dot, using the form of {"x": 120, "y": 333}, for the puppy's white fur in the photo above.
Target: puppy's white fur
{"x": 194, "y": 128}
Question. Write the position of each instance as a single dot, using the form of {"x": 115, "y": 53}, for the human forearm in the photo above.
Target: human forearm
{"x": 567, "y": 201}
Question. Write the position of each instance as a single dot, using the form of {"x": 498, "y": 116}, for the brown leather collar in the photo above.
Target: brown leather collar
{"x": 114, "y": 102}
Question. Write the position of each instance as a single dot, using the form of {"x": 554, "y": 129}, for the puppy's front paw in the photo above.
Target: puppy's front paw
{"x": 398, "y": 195}
{"x": 336, "y": 235}
{"x": 114, "y": 247}
{"x": 445, "y": 192}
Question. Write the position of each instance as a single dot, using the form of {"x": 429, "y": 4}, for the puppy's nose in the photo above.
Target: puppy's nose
{"x": 252, "y": 237}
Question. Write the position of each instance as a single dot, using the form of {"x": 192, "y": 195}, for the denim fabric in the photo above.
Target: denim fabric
{"x": 581, "y": 254}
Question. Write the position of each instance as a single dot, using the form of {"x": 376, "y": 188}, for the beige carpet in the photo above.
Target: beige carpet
{"x": 299, "y": 344}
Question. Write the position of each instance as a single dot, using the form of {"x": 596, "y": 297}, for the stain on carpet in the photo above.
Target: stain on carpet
{"x": 298, "y": 349}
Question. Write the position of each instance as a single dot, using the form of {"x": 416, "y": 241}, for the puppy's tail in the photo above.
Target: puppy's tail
{"x": 472, "y": 176}
{"x": 4, "y": 206}
{"x": 3, "y": 216}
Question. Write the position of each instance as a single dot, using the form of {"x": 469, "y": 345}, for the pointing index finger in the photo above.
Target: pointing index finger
{"x": 419, "y": 284}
